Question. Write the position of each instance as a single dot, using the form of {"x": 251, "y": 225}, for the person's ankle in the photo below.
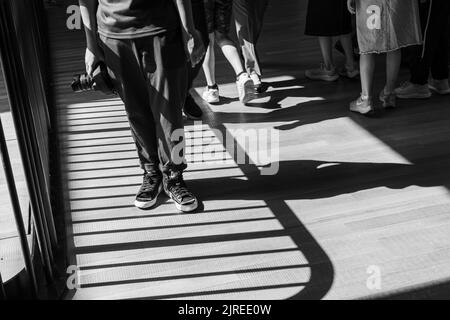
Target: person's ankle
{"x": 241, "y": 74}
{"x": 329, "y": 67}
{"x": 365, "y": 97}
{"x": 388, "y": 91}
{"x": 213, "y": 87}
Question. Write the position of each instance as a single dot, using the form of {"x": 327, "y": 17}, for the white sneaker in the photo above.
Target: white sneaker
{"x": 256, "y": 81}
{"x": 361, "y": 105}
{"x": 255, "y": 77}
{"x": 211, "y": 95}
{"x": 245, "y": 88}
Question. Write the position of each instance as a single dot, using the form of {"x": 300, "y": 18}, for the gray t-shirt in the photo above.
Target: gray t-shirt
{"x": 128, "y": 19}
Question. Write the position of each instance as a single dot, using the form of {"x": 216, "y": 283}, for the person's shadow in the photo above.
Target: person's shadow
{"x": 297, "y": 101}
{"x": 309, "y": 179}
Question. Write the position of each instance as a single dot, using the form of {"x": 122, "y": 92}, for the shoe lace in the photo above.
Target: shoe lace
{"x": 178, "y": 187}
{"x": 150, "y": 182}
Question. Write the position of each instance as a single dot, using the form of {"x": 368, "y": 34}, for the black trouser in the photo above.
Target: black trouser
{"x": 198, "y": 12}
{"x": 433, "y": 55}
{"x": 150, "y": 75}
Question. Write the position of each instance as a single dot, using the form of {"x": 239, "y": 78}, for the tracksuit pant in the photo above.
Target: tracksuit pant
{"x": 150, "y": 75}
{"x": 198, "y": 12}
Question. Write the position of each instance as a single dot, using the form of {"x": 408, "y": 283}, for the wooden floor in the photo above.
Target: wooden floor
{"x": 354, "y": 198}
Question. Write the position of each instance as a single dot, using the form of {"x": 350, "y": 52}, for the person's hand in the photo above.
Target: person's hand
{"x": 194, "y": 47}
{"x": 351, "y": 6}
{"x": 91, "y": 60}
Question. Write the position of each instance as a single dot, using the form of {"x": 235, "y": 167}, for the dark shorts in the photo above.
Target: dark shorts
{"x": 218, "y": 15}
{"x": 328, "y": 18}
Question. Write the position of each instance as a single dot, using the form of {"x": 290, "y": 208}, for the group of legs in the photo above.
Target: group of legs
{"x": 386, "y": 28}
{"x": 426, "y": 55}
{"x": 328, "y": 20}
{"x": 428, "y": 64}
{"x": 213, "y": 19}
{"x": 248, "y": 17}
{"x": 153, "y": 79}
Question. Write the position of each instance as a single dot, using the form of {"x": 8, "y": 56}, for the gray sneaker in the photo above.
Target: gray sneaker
{"x": 322, "y": 74}
{"x": 439, "y": 86}
{"x": 410, "y": 90}
{"x": 150, "y": 189}
{"x": 388, "y": 100}
{"x": 351, "y": 73}
{"x": 362, "y": 106}
{"x": 176, "y": 189}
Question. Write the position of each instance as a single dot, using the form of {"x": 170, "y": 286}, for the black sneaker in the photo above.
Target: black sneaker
{"x": 176, "y": 189}
{"x": 150, "y": 189}
{"x": 191, "y": 109}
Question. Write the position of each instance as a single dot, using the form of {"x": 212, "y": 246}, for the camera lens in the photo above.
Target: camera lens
{"x": 76, "y": 85}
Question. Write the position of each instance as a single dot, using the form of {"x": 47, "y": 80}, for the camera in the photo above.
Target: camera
{"x": 99, "y": 81}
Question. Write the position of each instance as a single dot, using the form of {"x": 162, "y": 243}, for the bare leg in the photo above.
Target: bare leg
{"x": 230, "y": 52}
{"x": 209, "y": 65}
{"x": 367, "y": 66}
{"x": 393, "y": 60}
{"x": 327, "y": 51}
{"x": 347, "y": 44}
